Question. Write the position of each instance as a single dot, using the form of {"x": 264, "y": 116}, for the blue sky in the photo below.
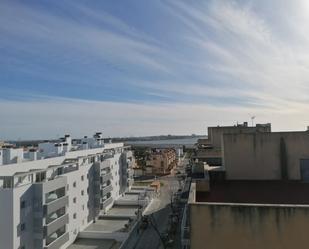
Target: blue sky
{"x": 151, "y": 67}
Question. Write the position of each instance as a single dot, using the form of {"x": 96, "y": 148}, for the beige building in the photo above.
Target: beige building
{"x": 210, "y": 150}
{"x": 266, "y": 156}
{"x": 161, "y": 161}
{"x": 214, "y": 222}
{"x": 263, "y": 199}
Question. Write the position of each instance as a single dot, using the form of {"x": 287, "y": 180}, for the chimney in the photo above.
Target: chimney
{"x": 85, "y": 146}
{"x": 32, "y": 154}
{"x": 65, "y": 147}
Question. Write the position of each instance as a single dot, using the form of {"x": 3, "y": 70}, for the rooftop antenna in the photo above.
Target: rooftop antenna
{"x": 252, "y": 120}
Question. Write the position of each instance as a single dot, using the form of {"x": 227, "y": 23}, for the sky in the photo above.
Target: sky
{"x": 135, "y": 68}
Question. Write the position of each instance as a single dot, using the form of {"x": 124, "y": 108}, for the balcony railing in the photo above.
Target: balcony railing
{"x": 56, "y": 244}
{"x": 107, "y": 189}
{"x": 106, "y": 177}
{"x": 107, "y": 202}
{"x": 56, "y": 204}
{"x": 56, "y": 224}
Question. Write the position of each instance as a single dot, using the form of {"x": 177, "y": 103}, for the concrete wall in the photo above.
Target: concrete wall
{"x": 242, "y": 226}
{"x": 215, "y": 133}
{"x": 6, "y": 219}
{"x": 265, "y": 156}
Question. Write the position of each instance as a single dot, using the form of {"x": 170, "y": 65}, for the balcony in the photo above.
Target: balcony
{"x": 56, "y": 224}
{"x": 54, "y": 184}
{"x": 131, "y": 173}
{"x": 53, "y": 206}
{"x": 107, "y": 202}
{"x": 107, "y": 189}
{"x": 55, "y": 195}
{"x": 106, "y": 177}
{"x": 57, "y": 243}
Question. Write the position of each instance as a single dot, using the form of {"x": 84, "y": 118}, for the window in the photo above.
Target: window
{"x": 23, "y": 227}
{"x": 74, "y": 216}
{"x": 22, "y": 204}
{"x": 74, "y": 184}
{"x": 74, "y": 200}
{"x": 82, "y": 177}
{"x": 82, "y": 192}
{"x": 68, "y": 187}
{"x": 83, "y": 207}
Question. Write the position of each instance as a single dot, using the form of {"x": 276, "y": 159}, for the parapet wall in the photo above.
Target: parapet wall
{"x": 265, "y": 156}
{"x": 244, "y": 226}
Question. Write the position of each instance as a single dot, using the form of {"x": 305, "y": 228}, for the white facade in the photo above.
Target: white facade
{"x": 45, "y": 203}
{"x": 11, "y": 155}
{"x": 1, "y": 156}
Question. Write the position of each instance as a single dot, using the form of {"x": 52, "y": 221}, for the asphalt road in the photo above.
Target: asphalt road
{"x": 159, "y": 210}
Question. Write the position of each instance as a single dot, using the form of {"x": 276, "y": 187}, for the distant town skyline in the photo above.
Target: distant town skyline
{"x": 139, "y": 68}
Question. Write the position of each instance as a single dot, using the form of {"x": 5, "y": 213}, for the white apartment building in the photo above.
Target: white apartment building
{"x": 48, "y": 196}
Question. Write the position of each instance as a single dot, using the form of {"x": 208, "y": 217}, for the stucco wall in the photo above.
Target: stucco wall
{"x": 243, "y": 227}
{"x": 215, "y": 133}
{"x": 265, "y": 156}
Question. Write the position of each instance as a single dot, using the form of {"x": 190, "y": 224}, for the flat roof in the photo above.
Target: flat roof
{"x": 257, "y": 192}
{"x": 108, "y": 225}
{"x": 43, "y": 164}
{"x": 95, "y": 244}
{"x": 122, "y": 211}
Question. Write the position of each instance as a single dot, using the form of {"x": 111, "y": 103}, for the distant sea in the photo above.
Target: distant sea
{"x": 181, "y": 141}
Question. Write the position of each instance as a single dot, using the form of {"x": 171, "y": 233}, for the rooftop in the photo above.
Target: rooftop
{"x": 121, "y": 211}
{"x": 109, "y": 225}
{"x": 259, "y": 192}
{"x": 94, "y": 244}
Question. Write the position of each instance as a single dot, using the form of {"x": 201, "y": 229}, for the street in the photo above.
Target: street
{"x": 159, "y": 211}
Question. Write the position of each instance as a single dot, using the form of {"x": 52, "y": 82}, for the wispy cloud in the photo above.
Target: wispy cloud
{"x": 53, "y": 117}
{"x": 226, "y": 57}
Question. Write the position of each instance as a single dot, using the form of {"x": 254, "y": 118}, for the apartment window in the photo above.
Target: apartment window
{"x": 74, "y": 216}
{"x": 22, "y": 204}
{"x": 74, "y": 200}
{"x": 83, "y": 207}
{"x": 74, "y": 184}
{"x": 68, "y": 186}
{"x": 23, "y": 227}
{"x": 82, "y": 192}
{"x": 82, "y": 177}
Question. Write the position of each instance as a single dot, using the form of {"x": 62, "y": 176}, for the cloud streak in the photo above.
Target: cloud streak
{"x": 199, "y": 58}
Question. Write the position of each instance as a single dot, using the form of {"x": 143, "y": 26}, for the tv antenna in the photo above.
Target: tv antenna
{"x": 252, "y": 120}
